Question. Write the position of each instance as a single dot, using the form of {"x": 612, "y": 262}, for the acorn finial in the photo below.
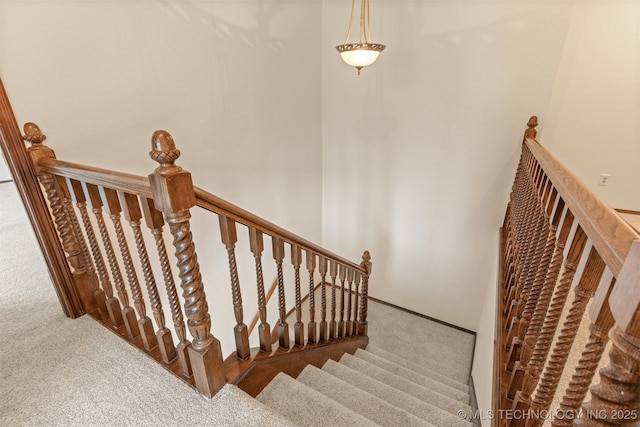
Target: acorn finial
{"x": 531, "y": 128}
{"x": 33, "y": 134}
{"x": 163, "y": 149}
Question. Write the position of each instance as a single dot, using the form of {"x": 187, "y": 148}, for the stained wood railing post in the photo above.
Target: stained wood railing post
{"x": 84, "y": 285}
{"x": 322, "y": 267}
{"x": 616, "y": 400}
{"x": 112, "y": 304}
{"x": 298, "y": 327}
{"x": 364, "y": 292}
{"x": 601, "y": 322}
{"x": 584, "y": 291}
{"x": 283, "y": 326}
{"x": 256, "y": 244}
{"x": 133, "y": 215}
{"x": 229, "y": 237}
{"x": 155, "y": 222}
{"x": 312, "y": 332}
{"x": 174, "y": 195}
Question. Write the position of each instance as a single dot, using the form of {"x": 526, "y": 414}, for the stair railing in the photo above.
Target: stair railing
{"x": 118, "y": 284}
{"x": 554, "y": 223}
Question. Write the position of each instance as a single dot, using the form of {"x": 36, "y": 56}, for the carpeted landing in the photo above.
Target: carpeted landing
{"x": 58, "y": 371}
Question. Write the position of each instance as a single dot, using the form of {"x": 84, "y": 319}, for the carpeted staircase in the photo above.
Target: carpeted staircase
{"x": 371, "y": 387}
{"x": 59, "y": 371}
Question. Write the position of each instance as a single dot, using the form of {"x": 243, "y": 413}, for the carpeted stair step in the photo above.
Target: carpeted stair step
{"x": 359, "y": 401}
{"x": 399, "y": 360}
{"x": 427, "y": 410}
{"x": 425, "y": 394}
{"x": 415, "y": 377}
{"x": 253, "y": 413}
{"x": 307, "y": 407}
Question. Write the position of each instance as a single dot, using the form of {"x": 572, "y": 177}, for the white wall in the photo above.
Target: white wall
{"x": 420, "y": 150}
{"x": 593, "y": 120}
{"x": 238, "y": 84}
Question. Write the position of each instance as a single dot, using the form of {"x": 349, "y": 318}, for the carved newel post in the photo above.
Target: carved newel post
{"x": 86, "y": 288}
{"x": 362, "y": 321}
{"x": 531, "y": 128}
{"x": 616, "y": 400}
{"x": 173, "y": 194}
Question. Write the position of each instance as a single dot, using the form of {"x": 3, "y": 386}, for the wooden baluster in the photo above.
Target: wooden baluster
{"x": 99, "y": 296}
{"x": 333, "y": 272}
{"x": 112, "y": 303}
{"x": 154, "y": 220}
{"x": 133, "y": 215}
{"x": 515, "y": 212}
{"x": 322, "y": 267}
{"x": 356, "y": 300}
{"x": 584, "y": 291}
{"x": 349, "y": 324}
{"x": 534, "y": 258}
{"x": 539, "y": 256}
{"x": 524, "y": 382}
{"x": 174, "y": 195}
{"x": 229, "y": 239}
{"x": 601, "y": 322}
{"x": 298, "y": 327}
{"x": 533, "y": 301}
{"x": 84, "y": 286}
{"x": 312, "y": 330}
{"x": 532, "y": 225}
{"x": 616, "y": 400}
{"x": 283, "y": 327}
{"x": 256, "y": 244}
{"x": 364, "y": 302}
{"x": 341, "y": 323}
{"x": 112, "y": 206}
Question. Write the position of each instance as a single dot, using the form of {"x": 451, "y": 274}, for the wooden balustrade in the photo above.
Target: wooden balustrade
{"x": 547, "y": 202}
{"x": 106, "y": 280}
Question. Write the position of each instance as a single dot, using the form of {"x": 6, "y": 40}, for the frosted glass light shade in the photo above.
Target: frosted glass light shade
{"x": 360, "y": 54}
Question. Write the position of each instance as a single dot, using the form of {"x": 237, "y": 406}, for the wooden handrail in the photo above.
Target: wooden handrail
{"x": 217, "y": 205}
{"x": 134, "y": 184}
{"x": 139, "y": 185}
{"x": 609, "y": 233}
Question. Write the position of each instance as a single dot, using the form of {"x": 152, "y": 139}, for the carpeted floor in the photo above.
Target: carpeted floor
{"x": 58, "y": 371}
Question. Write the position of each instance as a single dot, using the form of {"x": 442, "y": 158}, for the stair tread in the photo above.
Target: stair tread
{"x": 254, "y": 413}
{"x": 430, "y": 383}
{"x": 426, "y": 410}
{"x": 358, "y": 400}
{"x": 399, "y": 360}
{"x": 306, "y": 406}
{"x": 445, "y": 402}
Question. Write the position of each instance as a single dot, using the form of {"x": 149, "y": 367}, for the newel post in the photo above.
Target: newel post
{"x": 616, "y": 400}
{"x": 85, "y": 287}
{"x": 174, "y": 195}
{"x": 364, "y": 292}
{"x": 531, "y": 132}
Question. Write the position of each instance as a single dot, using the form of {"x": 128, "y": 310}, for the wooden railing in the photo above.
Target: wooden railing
{"x": 557, "y": 232}
{"x": 118, "y": 284}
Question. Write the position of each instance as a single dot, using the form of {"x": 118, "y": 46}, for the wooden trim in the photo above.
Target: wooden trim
{"x": 22, "y": 170}
{"x": 424, "y": 316}
{"x": 253, "y": 375}
{"x": 609, "y": 233}
{"x": 627, "y": 211}
{"x": 217, "y": 205}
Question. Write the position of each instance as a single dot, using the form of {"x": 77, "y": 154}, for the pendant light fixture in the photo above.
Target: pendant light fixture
{"x": 364, "y": 52}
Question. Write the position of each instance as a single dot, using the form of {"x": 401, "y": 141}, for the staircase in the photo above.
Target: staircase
{"x": 370, "y": 387}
